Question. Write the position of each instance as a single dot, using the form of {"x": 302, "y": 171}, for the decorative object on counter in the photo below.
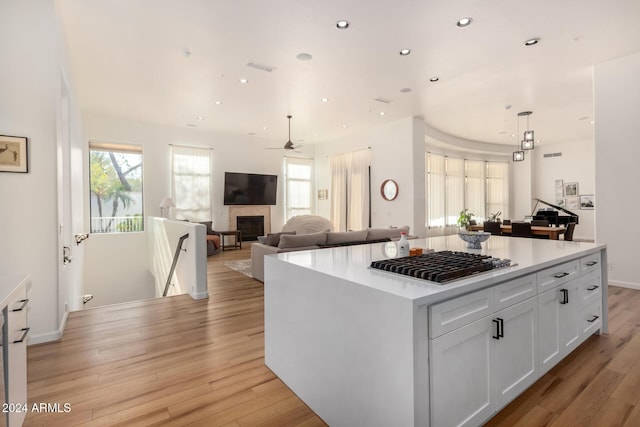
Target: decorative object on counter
{"x": 474, "y": 238}
{"x": 464, "y": 219}
{"x": 13, "y": 154}
{"x": 403, "y": 245}
{"x": 495, "y": 217}
{"x": 389, "y": 189}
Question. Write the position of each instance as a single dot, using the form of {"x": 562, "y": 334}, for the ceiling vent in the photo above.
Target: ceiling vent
{"x": 261, "y": 67}
{"x": 552, "y": 155}
{"x": 383, "y": 100}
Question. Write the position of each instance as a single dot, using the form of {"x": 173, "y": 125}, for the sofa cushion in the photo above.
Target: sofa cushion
{"x": 383, "y": 233}
{"x": 338, "y": 237}
{"x": 273, "y": 239}
{"x": 297, "y": 240}
{"x": 306, "y": 224}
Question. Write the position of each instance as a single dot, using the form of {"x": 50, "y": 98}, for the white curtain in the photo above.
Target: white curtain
{"x": 191, "y": 182}
{"x": 435, "y": 190}
{"x": 475, "y": 194}
{"x": 454, "y": 182}
{"x": 350, "y": 190}
{"x": 498, "y": 188}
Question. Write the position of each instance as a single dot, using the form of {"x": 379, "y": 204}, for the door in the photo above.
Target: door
{"x": 460, "y": 370}
{"x": 514, "y": 362}
{"x": 70, "y": 206}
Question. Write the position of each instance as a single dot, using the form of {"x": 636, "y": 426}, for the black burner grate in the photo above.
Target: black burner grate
{"x": 442, "y": 266}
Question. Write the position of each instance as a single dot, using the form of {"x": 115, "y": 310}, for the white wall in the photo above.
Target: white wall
{"x": 231, "y": 153}
{"x": 617, "y": 153}
{"x": 392, "y": 157}
{"x": 575, "y": 165}
{"x": 29, "y": 89}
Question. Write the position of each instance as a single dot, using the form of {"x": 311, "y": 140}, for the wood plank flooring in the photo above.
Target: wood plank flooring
{"x": 175, "y": 361}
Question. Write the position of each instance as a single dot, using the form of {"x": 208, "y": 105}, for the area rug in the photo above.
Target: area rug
{"x": 242, "y": 265}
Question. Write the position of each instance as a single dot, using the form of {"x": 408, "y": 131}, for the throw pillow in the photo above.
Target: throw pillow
{"x": 337, "y": 237}
{"x": 209, "y": 225}
{"x": 273, "y": 239}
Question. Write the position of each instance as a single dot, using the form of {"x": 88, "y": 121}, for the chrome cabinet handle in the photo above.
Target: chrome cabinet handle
{"x": 24, "y": 304}
{"x": 25, "y": 331}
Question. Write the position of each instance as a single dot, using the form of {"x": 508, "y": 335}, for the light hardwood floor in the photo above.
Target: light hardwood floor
{"x": 175, "y": 361}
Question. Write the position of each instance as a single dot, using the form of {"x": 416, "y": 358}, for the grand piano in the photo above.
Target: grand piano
{"x": 553, "y": 216}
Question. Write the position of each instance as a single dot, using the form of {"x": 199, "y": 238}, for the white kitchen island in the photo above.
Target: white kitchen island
{"x": 364, "y": 347}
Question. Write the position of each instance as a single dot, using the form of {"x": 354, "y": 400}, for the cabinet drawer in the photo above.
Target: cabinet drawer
{"x": 515, "y": 291}
{"x": 591, "y": 319}
{"x": 590, "y": 263}
{"x": 591, "y": 288}
{"x": 452, "y": 314}
{"x": 556, "y": 275}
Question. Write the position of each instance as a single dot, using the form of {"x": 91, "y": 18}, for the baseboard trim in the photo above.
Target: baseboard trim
{"x": 201, "y": 295}
{"x": 628, "y": 285}
{"x": 49, "y": 336}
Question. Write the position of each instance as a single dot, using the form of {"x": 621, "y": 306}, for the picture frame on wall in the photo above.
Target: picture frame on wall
{"x": 14, "y": 155}
{"x": 572, "y": 202}
{"x": 559, "y": 190}
{"x": 571, "y": 189}
{"x": 587, "y": 201}
{"x": 323, "y": 194}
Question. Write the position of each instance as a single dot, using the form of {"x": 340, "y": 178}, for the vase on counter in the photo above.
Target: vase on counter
{"x": 403, "y": 245}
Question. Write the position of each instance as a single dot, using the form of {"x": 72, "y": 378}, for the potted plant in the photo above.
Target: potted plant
{"x": 495, "y": 217}
{"x": 464, "y": 219}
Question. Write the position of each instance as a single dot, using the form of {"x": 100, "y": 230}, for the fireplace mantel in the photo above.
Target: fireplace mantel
{"x": 250, "y": 210}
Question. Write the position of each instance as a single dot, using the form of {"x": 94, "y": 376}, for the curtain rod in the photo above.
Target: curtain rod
{"x": 352, "y": 151}
{"x": 190, "y": 146}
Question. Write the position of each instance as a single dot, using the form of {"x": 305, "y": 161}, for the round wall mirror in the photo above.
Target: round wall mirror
{"x": 389, "y": 189}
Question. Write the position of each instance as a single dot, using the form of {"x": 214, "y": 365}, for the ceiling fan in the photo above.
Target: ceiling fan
{"x": 288, "y": 145}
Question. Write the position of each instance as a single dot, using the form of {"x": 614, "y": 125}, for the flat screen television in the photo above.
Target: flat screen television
{"x": 250, "y": 189}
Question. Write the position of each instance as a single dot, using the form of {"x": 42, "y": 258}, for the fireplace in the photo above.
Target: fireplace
{"x": 251, "y": 227}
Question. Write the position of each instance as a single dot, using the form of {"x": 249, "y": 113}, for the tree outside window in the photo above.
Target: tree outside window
{"x": 116, "y": 188}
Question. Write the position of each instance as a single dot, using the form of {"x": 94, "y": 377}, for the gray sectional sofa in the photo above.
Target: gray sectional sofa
{"x": 292, "y": 240}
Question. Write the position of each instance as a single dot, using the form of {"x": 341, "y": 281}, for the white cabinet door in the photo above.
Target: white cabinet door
{"x": 549, "y": 348}
{"x": 460, "y": 375}
{"x": 570, "y": 302}
{"x": 514, "y": 362}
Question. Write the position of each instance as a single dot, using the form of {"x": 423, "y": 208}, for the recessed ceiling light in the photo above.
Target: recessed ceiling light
{"x": 218, "y": 102}
{"x": 464, "y": 22}
{"x": 264, "y": 128}
{"x": 592, "y": 122}
{"x": 382, "y": 113}
{"x": 434, "y": 79}
{"x": 345, "y": 126}
{"x": 244, "y": 81}
{"x": 342, "y": 24}
{"x": 405, "y": 90}
{"x": 513, "y": 135}
{"x": 304, "y": 56}
{"x": 405, "y": 52}
{"x": 200, "y": 118}
{"x": 532, "y": 41}
{"x": 325, "y": 99}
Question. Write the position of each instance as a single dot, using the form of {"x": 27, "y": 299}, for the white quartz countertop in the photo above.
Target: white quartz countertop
{"x": 352, "y": 263}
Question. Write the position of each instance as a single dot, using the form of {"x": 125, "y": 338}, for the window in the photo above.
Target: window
{"x": 454, "y": 184}
{"x": 191, "y": 182}
{"x": 116, "y": 188}
{"x": 298, "y": 189}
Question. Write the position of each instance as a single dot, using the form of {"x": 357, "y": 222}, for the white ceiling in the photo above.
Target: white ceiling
{"x": 129, "y": 58}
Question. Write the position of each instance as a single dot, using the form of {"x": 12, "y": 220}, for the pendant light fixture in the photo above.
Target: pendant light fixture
{"x": 518, "y": 155}
{"x": 527, "y": 142}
